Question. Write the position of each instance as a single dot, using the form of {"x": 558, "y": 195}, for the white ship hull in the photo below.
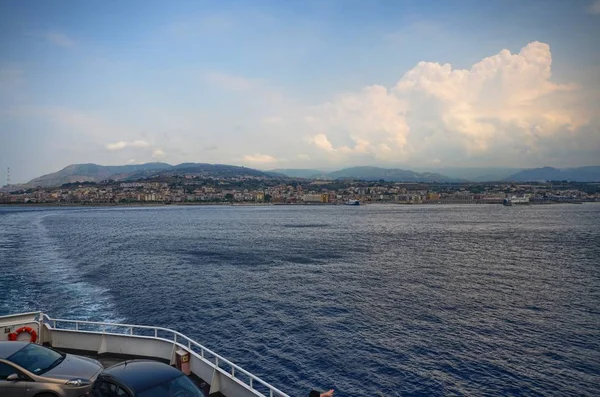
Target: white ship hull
{"x": 136, "y": 341}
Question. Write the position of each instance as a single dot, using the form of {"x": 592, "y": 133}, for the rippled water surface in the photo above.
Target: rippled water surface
{"x": 371, "y": 300}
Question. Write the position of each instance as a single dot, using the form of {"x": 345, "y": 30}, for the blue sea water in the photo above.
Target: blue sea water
{"x": 375, "y": 300}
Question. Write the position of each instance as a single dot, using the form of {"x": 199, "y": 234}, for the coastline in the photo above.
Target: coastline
{"x": 155, "y": 204}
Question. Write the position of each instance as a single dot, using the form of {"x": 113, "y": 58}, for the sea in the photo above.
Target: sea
{"x": 374, "y": 300}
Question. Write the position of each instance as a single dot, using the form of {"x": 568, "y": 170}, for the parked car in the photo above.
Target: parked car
{"x": 144, "y": 378}
{"x": 31, "y": 370}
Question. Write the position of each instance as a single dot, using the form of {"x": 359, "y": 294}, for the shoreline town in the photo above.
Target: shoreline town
{"x": 262, "y": 191}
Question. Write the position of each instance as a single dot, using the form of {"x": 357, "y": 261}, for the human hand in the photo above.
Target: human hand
{"x": 327, "y": 394}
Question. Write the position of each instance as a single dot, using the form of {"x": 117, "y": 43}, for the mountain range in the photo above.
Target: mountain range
{"x": 473, "y": 174}
{"x": 580, "y": 174}
{"x": 97, "y": 173}
{"x": 367, "y": 174}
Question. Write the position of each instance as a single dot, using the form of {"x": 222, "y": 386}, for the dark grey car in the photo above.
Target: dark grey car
{"x": 31, "y": 370}
{"x": 144, "y": 378}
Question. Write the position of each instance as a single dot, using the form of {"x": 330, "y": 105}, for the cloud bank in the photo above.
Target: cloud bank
{"x": 503, "y": 106}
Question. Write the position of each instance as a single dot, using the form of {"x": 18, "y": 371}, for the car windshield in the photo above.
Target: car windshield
{"x": 36, "y": 359}
{"x": 178, "y": 387}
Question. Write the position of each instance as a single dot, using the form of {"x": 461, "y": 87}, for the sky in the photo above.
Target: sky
{"x": 299, "y": 84}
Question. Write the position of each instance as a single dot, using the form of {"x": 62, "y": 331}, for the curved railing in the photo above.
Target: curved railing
{"x": 176, "y": 338}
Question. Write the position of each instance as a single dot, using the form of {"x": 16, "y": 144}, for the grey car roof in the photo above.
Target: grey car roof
{"x": 7, "y": 349}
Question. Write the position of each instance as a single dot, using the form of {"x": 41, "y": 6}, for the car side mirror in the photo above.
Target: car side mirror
{"x": 13, "y": 377}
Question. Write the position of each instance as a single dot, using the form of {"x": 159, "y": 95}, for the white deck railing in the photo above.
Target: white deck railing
{"x": 167, "y": 335}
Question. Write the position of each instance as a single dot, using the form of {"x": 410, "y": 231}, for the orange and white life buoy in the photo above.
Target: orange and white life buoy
{"x": 29, "y": 330}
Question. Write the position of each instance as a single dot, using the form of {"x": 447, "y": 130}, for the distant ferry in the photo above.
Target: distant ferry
{"x": 515, "y": 200}
{"x": 352, "y": 202}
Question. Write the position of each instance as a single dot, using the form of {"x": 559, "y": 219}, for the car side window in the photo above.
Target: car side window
{"x": 6, "y": 370}
{"x": 107, "y": 389}
{"x": 103, "y": 389}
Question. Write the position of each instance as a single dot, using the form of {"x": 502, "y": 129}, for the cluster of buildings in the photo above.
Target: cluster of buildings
{"x": 293, "y": 191}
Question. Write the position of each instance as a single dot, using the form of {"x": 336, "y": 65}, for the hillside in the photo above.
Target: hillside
{"x": 579, "y": 174}
{"x": 388, "y": 174}
{"x": 216, "y": 170}
{"x": 299, "y": 173}
{"x": 473, "y": 174}
{"x": 97, "y": 173}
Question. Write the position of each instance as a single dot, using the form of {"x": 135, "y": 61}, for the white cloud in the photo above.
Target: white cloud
{"x": 123, "y": 144}
{"x": 158, "y": 154}
{"x": 59, "y": 39}
{"x": 594, "y": 7}
{"x": 259, "y": 158}
{"x": 230, "y": 82}
{"x": 368, "y": 122}
{"x": 321, "y": 141}
{"x": 505, "y": 102}
{"x": 117, "y": 145}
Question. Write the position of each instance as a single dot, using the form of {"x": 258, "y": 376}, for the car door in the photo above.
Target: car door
{"x": 11, "y": 388}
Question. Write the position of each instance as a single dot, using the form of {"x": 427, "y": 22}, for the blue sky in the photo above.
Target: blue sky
{"x": 284, "y": 84}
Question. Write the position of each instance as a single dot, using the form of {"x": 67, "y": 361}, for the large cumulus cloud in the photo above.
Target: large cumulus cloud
{"x": 503, "y": 107}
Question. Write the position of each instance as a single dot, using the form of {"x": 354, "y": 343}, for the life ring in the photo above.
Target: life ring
{"x": 29, "y": 330}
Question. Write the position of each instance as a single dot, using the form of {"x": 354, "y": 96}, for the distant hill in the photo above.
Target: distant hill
{"x": 473, "y": 174}
{"x": 389, "y": 174}
{"x": 218, "y": 170}
{"x": 580, "y": 174}
{"x": 97, "y": 173}
{"x": 299, "y": 173}
{"x": 92, "y": 173}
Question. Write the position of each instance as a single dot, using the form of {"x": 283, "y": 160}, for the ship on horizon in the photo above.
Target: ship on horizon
{"x": 509, "y": 201}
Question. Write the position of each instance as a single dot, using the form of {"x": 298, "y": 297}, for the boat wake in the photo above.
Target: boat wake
{"x": 38, "y": 276}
